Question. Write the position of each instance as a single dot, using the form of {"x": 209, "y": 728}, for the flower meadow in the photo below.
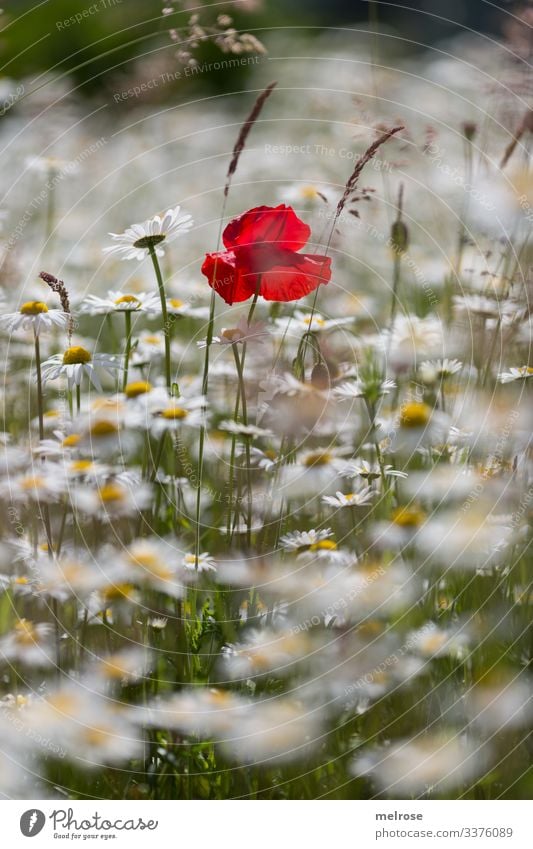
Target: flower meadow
{"x": 266, "y": 478}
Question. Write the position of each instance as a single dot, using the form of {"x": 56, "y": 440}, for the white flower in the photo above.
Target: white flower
{"x": 520, "y": 373}
{"x": 439, "y": 369}
{"x": 358, "y": 389}
{"x": 408, "y": 767}
{"x": 305, "y": 192}
{"x": 240, "y": 429}
{"x": 136, "y": 241}
{"x": 181, "y": 308}
{"x": 350, "y": 499}
{"x": 34, "y": 315}
{"x": 302, "y": 322}
{"x": 76, "y": 362}
{"x": 204, "y": 563}
{"x": 302, "y": 539}
{"x": 113, "y": 499}
{"x": 28, "y": 643}
{"x": 369, "y": 471}
{"x": 119, "y": 302}
{"x": 255, "y": 333}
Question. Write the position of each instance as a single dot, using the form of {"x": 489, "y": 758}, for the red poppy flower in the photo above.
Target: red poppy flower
{"x": 262, "y": 256}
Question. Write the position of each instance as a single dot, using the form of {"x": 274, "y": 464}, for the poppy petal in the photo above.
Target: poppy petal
{"x": 220, "y": 270}
{"x": 278, "y": 225}
{"x": 295, "y": 277}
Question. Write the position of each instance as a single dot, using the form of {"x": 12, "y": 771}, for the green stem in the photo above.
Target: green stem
{"x": 127, "y": 352}
{"x": 239, "y": 365}
{"x": 164, "y": 313}
{"x": 39, "y": 387}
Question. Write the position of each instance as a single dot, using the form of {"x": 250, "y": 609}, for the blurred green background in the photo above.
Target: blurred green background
{"x": 106, "y": 42}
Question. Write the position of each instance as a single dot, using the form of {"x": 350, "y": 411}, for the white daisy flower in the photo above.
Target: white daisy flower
{"x": 36, "y": 316}
{"x": 358, "y": 389}
{"x": 431, "y": 371}
{"x": 177, "y": 413}
{"x": 519, "y": 373}
{"x": 369, "y": 471}
{"x": 240, "y": 429}
{"x": 302, "y": 193}
{"x": 181, "y": 309}
{"x": 119, "y": 302}
{"x": 136, "y": 241}
{"x": 350, "y": 499}
{"x": 76, "y": 362}
{"x": 113, "y": 499}
{"x": 304, "y": 539}
{"x": 302, "y": 322}
{"x": 204, "y": 563}
{"x": 28, "y": 643}
{"x": 255, "y": 333}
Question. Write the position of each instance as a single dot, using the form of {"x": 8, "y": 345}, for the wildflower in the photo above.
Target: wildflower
{"x": 136, "y": 241}
{"x": 302, "y": 322}
{"x": 119, "y": 302}
{"x": 76, "y": 362}
{"x": 203, "y": 563}
{"x": 298, "y": 540}
{"x": 34, "y": 315}
{"x": 516, "y": 373}
{"x": 409, "y": 767}
{"x": 261, "y": 257}
{"x": 350, "y": 499}
{"x": 28, "y": 643}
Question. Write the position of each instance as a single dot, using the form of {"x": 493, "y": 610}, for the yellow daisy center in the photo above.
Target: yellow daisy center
{"x": 81, "y": 465}
{"x": 111, "y": 492}
{"x": 65, "y": 703}
{"x": 415, "y": 414}
{"x": 313, "y": 319}
{"x": 96, "y": 736}
{"x": 33, "y": 308}
{"x": 32, "y": 482}
{"x": 71, "y": 440}
{"x": 76, "y": 355}
{"x": 173, "y": 413}
{"x": 103, "y": 428}
{"x": 114, "y": 667}
{"x": 25, "y": 633}
{"x": 148, "y": 561}
{"x": 138, "y": 387}
{"x": 175, "y": 303}
{"x": 317, "y": 458}
{"x": 232, "y": 334}
{"x": 127, "y": 299}
{"x": 408, "y": 517}
{"x": 151, "y": 339}
{"x": 117, "y": 591}
{"x": 323, "y": 545}
{"x": 308, "y": 192}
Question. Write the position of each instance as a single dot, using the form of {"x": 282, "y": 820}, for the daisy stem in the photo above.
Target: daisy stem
{"x": 78, "y": 397}
{"x": 240, "y": 374}
{"x": 39, "y": 387}
{"x": 127, "y": 352}
{"x": 40, "y": 408}
{"x": 164, "y": 314}
{"x": 232, "y": 464}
